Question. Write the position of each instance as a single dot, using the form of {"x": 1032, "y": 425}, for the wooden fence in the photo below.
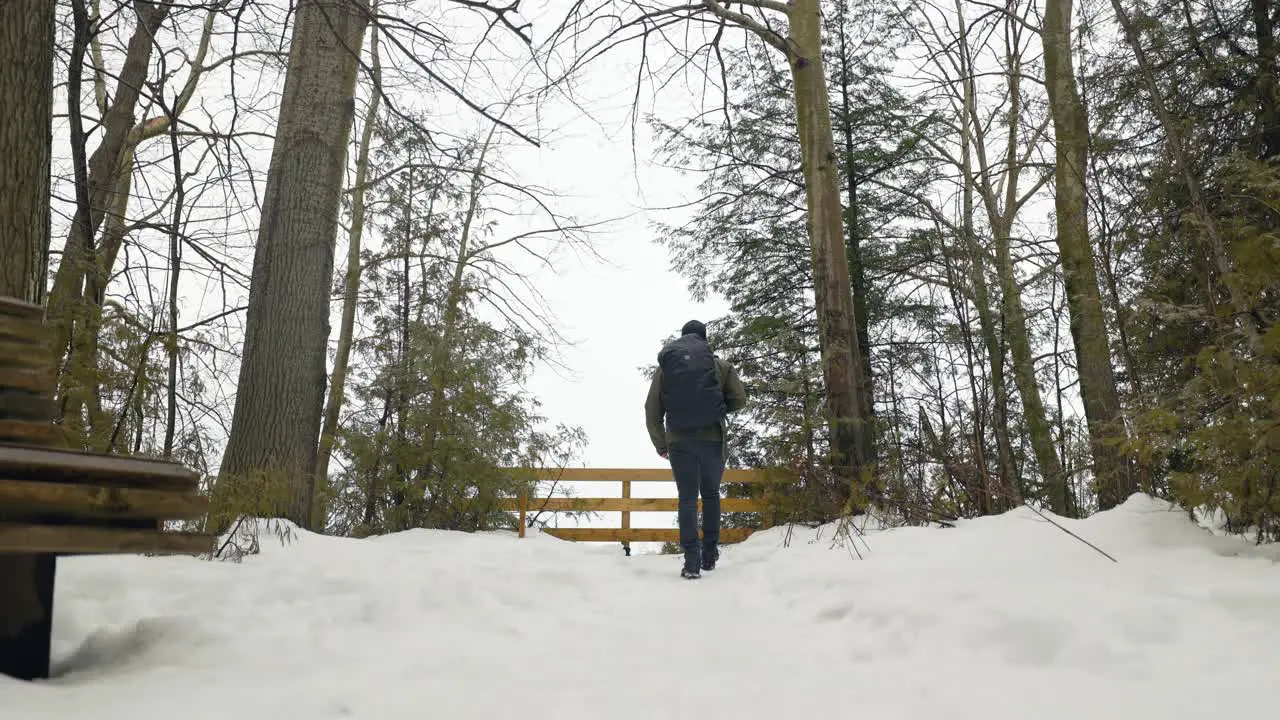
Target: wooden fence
{"x": 627, "y": 504}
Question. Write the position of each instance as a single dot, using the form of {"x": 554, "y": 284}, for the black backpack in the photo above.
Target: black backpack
{"x": 691, "y": 392}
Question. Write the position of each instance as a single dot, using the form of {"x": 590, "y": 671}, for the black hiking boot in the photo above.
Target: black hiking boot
{"x": 692, "y": 560}
{"x": 710, "y": 554}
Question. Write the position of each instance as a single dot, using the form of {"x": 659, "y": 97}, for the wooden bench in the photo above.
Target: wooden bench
{"x": 627, "y": 504}
{"x": 55, "y": 501}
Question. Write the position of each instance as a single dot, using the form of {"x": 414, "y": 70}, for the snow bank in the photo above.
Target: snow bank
{"x": 999, "y": 618}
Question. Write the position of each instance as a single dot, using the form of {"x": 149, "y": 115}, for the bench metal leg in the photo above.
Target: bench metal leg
{"x": 26, "y": 614}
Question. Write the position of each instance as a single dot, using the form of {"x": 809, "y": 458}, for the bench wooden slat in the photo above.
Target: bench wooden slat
{"x": 94, "y": 469}
{"x": 64, "y": 539}
{"x": 14, "y": 307}
{"x": 63, "y": 499}
{"x": 30, "y": 331}
{"x": 61, "y": 502}
{"x": 25, "y": 354}
{"x": 727, "y": 535}
{"x": 36, "y": 432}
{"x": 563, "y": 504}
{"x": 36, "y": 380}
{"x": 20, "y": 405}
{"x": 638, "y": 475}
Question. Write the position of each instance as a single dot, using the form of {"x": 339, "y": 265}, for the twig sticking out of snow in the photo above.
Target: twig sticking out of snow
{"x": 243, "y": 539}
{"x": 843, "y": 532}
{"x": 1055, "y": 523}
{"x": 848, "y": 530}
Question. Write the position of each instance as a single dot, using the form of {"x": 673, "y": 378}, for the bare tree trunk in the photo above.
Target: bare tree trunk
{"x": 955, "y": 287}
{"x": 837, "y": 319}
{"x": 938, "y": 446}
{"x": 996, "y": 501}
{"x": 837, "y": 325}
{"x": 1024, "y": 374}
{"x": 350, "y": 288}
{"x": 175, "y": 273}
{"x": 71, "y": 392}
{"x": 80, "y": 257}
{"x": 1071, "y": 506}
{"x": 75, "y": 314}
{"x": 900, "y": 454}
{"x": 371, "y": 500}
{"x": 1133, "y": 372}
{"x": 810, "y": 439}
{"x": 1088, "y": 327}
{"x": 1015, "y": 322}
{"x": 281, "y": 388}
{"x": 26, "y": 92}
{"x": 857, "y": 265}
{"x": 75, "y": 302}
{"x": 998, "y": 490}
{"x": 409, "y": 499}
{"x": 113, "y": 214}
{"x": 26, "y": 146}
{"x": 1106, "y": 247}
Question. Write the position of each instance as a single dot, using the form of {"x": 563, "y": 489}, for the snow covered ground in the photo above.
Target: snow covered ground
{"x": 1000, "y": 618}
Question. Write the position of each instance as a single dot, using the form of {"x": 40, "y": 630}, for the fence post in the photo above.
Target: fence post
{"x": 766, "y": 496}
{"x": 524, "y": 508}
{"x": 626, "y": 516}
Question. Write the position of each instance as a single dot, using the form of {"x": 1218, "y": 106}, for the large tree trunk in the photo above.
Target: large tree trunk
{"x": 351, "y": 290}
{"x": 26, "y": 137}
{"x": 280, "y": 394}
{"x": 857, "y": 264}
{"x": 1088, "y": 328}
{"x": 841, "y": 355}
{"x": 26, "y": 82}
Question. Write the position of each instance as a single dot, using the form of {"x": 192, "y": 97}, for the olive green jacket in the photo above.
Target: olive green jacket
{"x": 735, "y": 398}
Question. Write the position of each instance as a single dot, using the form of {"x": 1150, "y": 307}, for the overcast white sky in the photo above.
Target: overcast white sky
{"x": 617, "y": 312}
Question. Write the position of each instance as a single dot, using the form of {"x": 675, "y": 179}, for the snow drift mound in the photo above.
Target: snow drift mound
{"x": 1004, "y": 617}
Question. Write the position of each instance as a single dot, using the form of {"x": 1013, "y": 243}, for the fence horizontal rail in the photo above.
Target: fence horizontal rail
{"x": 630, "y": 535}
{"x": 627, "y": 504}
{"x": 639, "y": 475}
{"x": 572, "y": 504}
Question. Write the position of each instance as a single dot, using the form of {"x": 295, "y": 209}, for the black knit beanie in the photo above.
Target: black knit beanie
{"x": 693, "y": 327}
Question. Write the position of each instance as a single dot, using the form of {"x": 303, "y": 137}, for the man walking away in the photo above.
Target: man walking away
{"x": 690, "y": 397}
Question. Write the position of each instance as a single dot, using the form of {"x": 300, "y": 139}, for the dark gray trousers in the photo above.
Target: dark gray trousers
{"x": 698, "y": 466}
